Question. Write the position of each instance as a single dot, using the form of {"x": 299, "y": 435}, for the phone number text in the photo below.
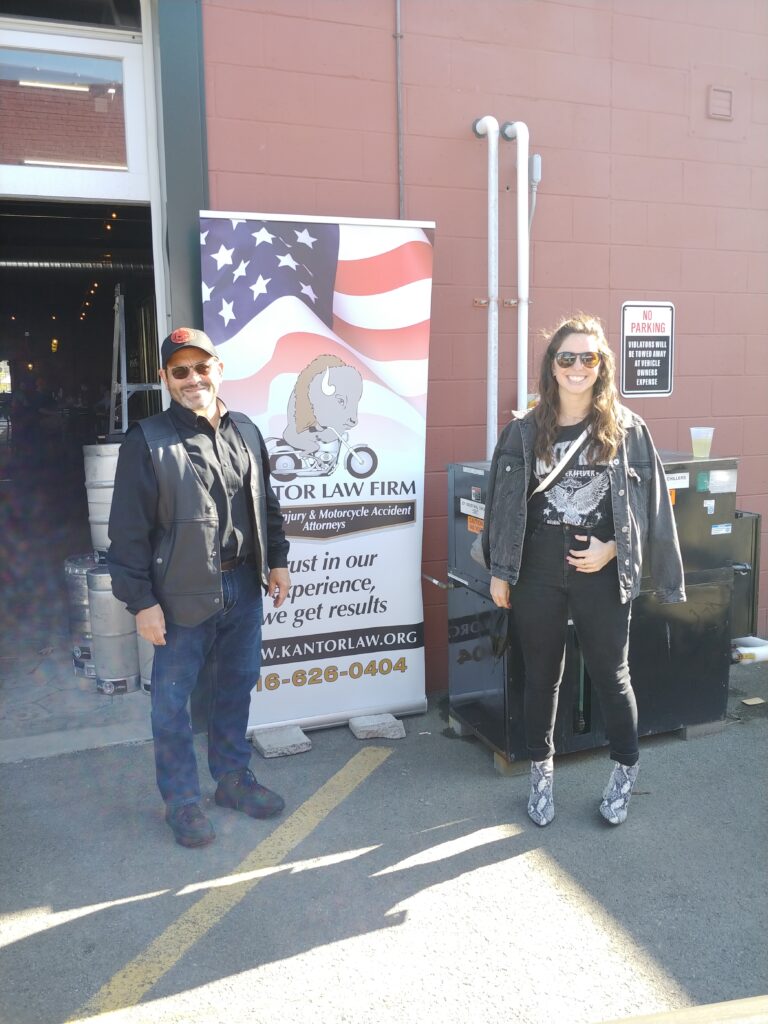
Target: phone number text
{"x": 330, "y": 674}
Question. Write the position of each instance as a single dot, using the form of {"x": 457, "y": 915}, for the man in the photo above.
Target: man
{"x": 195, "y": 532}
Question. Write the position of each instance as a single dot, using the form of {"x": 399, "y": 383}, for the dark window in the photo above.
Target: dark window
{"x": 109, "y": 13}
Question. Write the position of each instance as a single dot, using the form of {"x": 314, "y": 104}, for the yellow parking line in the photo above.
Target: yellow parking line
{"x": 128, "y": 986}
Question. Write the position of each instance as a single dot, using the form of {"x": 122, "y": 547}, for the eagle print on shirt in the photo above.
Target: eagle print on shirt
{"x": 581, "y": 496}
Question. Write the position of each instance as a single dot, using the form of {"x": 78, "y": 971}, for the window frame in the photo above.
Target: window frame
{"x": 132, "y": 185}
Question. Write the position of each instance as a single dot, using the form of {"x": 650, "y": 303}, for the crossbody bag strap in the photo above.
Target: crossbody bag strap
{"x": 562, "y": 463}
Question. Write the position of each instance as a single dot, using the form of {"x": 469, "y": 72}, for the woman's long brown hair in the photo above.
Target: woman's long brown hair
{"x": 606, "y": 431}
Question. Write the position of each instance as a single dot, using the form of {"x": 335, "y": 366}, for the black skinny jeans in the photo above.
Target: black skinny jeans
{"x": 548, "y": 590}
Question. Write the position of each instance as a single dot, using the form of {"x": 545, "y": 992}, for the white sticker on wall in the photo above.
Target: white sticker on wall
{"x": 709, "y": 505}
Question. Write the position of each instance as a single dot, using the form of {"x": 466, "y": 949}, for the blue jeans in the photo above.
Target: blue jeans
{"x": 548, "y": 592}
{"x": 232, "y": 638}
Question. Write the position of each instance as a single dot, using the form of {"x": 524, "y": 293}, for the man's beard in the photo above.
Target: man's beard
{"x": 198, "y": 398}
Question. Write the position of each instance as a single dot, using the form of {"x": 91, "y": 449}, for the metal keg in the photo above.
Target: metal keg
{"x": 75, "y": 570}
{"x": 115, "y": 650}
{"x": 100, "y": 466}
{"x": 146, "y": 660}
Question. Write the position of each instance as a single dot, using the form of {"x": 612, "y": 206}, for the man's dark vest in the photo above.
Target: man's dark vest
{"x": 186, "y": 559}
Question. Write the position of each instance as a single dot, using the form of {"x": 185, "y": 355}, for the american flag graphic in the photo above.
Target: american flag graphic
{"x": 277, "y": 293}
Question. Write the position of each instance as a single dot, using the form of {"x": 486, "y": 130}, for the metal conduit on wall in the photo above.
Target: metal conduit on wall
{"x": 399, "y": 113}
{"x": 489, "y": 127}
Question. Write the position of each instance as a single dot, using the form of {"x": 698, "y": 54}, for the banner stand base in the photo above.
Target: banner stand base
{"x": 377, "y": 727}
{"x": 287, "y": 739}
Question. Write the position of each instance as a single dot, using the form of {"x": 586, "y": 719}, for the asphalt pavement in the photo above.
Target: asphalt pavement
{"x": 403, "y": 882}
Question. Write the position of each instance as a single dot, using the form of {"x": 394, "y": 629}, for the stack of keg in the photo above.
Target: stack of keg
{"x": 115, "y": 643}
{"x": 105, "y": 645}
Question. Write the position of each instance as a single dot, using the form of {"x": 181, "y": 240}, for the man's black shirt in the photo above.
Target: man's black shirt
{"x": 220, "y": 459}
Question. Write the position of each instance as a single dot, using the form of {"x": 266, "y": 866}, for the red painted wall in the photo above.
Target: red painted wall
{"x": 643, "y": 196}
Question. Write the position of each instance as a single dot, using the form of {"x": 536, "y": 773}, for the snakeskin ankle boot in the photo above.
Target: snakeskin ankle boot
{"x": 541, "y": 803}
{"x": 618, "y": 792}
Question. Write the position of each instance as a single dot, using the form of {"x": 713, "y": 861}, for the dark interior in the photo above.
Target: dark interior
{"x": 59, "y": 266}
{"x": 122, "y": 14}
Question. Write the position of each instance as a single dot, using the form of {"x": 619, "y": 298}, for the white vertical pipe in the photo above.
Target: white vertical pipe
{"x": 490, "y": 126}
{"x": 518, "y": 130}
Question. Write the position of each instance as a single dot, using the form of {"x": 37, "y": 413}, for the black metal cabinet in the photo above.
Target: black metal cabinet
{"x": 481, "y": 685}
{"x": 680, "y": 654}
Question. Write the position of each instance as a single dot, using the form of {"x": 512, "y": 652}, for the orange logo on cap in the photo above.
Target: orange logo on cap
{"x": 179, "y": 336}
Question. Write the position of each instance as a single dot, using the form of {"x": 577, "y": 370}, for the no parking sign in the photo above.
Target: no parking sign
{"x": 647, "y": 344}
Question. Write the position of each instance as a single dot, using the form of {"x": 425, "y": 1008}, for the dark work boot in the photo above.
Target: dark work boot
{"x": 240, "y": 791}
{"x": 189, "y": 825}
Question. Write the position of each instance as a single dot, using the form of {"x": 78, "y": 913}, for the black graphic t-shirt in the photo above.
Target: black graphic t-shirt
{"x": 580, "y": 496}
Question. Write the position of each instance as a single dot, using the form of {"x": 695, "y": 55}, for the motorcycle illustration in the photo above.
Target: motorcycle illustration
{"x": 287, "y": 463}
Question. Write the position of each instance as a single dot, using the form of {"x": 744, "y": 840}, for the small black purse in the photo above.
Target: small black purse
{"x": 496, "y": 624}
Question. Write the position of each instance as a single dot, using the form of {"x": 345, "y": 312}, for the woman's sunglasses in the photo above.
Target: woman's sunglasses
{"x": 182, "y": 372}
{"x": 566, "y": 359}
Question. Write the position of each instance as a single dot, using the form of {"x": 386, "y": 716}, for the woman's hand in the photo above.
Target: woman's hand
{"x": 500, "y": 592}
{"x": 591, "y": 559}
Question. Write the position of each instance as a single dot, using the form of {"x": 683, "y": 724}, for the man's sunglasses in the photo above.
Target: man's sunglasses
{"x": 588, "y": 359}
{"x": 182, "y": 372}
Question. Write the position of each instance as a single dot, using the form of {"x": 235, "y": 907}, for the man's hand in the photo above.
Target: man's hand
{"x": 150, "y": 625}
{"x": 500, "y": 592}
{"x": 279, "y": 585}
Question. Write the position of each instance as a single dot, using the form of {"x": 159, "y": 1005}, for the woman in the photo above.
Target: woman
{"x": 574, "y": 542}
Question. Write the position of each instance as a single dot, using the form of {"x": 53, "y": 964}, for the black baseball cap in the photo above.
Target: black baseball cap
{"x": 185, "y": 337}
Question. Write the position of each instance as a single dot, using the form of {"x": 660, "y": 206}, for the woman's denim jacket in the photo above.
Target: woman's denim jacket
{"x": 644, "y": 524}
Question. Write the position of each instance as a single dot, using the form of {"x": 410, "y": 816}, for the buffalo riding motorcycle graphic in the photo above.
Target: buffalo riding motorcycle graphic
{"x": 322, "y": 409}
{"x": 286, "y": 463}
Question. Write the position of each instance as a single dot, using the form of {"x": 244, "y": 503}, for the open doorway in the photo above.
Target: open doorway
{"x": 80, "y": 215}
{"x": 60, "y": 263}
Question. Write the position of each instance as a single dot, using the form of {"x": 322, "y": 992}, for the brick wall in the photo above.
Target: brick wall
{"x": 47, "y": 124}
{"x": 643, "y": 195}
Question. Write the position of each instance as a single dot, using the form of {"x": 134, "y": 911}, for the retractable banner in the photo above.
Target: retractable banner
{"x": 323, "y": 329}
